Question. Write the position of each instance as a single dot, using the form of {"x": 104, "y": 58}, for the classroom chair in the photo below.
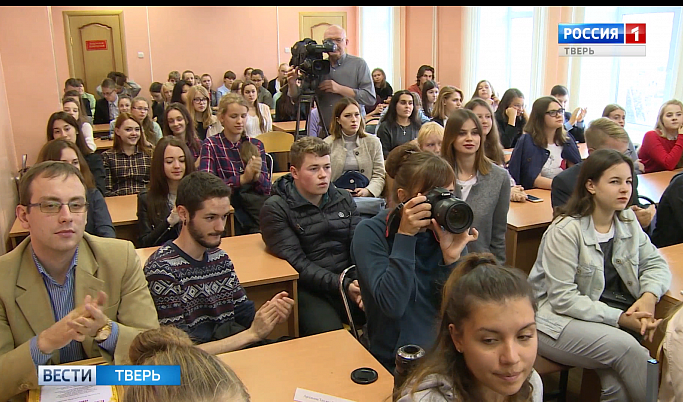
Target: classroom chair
{"x": 544, "y": 366}
{"x": 277, "y": 142}
{"x": 359, "y": 333}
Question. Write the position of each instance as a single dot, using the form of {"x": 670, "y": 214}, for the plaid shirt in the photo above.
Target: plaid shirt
{"x": 222, "y": 158}
{"x": 126, "y": 174}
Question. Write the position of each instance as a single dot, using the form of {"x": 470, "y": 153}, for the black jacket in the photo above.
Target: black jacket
{"x": 102, "y": 112}
{"x": 509, "y": 134}
{"x": 94, "y": 161}
{"x": 271, "y": 86}
{"x": 315, "y": 241}
{"x": 99, "y": 221}
{"x": 669, "y": 218}
{"x": 157, "y": 232}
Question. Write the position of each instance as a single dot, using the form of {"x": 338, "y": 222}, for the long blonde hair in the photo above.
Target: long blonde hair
{"x": 659, "y": 127}
{"x": 207, "y": 118}
{"x": 445, "y": 93}
{"x": 203, "y": 377}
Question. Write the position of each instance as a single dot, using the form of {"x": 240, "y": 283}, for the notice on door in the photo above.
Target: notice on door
{"x": 95, "y": 45}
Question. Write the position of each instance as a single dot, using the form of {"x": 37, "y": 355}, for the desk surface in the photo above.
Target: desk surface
{"x": 100, "y": 128}
{"x": 253, "y": 264}
{"x": 583, "y": 150}
{"x": 652, "y": 185}
{"x": 288, "y": 126}
{"x": 530, "y": 215}
{"x": 320, "y": 363}
{"x": 674, "y": 256}
{"x": 102, "y": 144}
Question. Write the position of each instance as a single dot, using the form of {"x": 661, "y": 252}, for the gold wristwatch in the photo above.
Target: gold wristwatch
{"x": 104, "y": 332}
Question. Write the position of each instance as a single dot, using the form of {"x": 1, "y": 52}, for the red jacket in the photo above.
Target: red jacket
{"x": 658, "y": 153}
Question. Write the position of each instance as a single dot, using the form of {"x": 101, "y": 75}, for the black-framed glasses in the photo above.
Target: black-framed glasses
{"x": 141, "y": 109}
{"x": 53, "y": 207}
{"x": 200, "y": 100}
{"x": 555, "y": 113}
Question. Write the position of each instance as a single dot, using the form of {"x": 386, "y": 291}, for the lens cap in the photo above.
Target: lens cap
{"x": 364, "y": 375}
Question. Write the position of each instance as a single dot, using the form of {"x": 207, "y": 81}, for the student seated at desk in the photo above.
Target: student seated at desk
{"x": 601, "y": 134}
{"x": 63, "y": 125}
{"x": 662, "y": 148}
{"x": 511, "y": 117}
{"x": 401, "y": 123}
{"x": 106, "y": 108}
{"x": 354, "y": 154}
{"x": 72, "y": 103}
{"x": 99, "y": 221}
{"x": 486, "y": 344}
{"x": 76, "y": 84}
{"x": 403, "y": 257}
{"x": 597, "y": 279}
{"x": 225, "y": 155}
{"x": 669, "y": 221}
{"x": 541, "y": 152}
{"x": 206, "y": 124}
{"x": 127, "y": 163}
{"x": 158, "y": 219}
{"x": 617, "y": 114}
{"x": 141, "y": 113}
{"x": 259, "y": 120}
{"x": 430, "y": 137}
{"x": 309, "y": 222}
{"x": 192, "y": 280}
{"x": 66, "y": 295}
{"x": 180, "y": 90}
{"x": 484, "y": 185}
{"x": 203, "y": 376}
{"x": 448, "y": 101}
{"x": 124, "y": 104}
{"x": 178, "y": 123}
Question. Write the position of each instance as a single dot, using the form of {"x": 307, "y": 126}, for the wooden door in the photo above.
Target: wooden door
{"x": 95, "y": 45}
{"x": 313, "y": 25}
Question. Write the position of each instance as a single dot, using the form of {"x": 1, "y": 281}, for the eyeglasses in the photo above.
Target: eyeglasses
{"x": 53, "y": 207}
{"x": 141, "y": 109}
{"x": 200, "y": 100}
{"x": 555, "y": 113}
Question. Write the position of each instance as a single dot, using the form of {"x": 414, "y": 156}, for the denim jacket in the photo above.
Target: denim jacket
{"x": 527, "y": 159}
{"x": 568, "y": 276}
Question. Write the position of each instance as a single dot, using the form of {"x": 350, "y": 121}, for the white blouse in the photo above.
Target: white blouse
{"x": 252, "y": 126}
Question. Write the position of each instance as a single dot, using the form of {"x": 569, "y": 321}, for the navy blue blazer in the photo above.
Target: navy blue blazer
{"x": 527, "y": 159}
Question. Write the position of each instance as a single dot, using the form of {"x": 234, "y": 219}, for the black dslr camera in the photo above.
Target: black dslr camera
{"x": 450, "y": 212}
{"x": 308, "y": 56}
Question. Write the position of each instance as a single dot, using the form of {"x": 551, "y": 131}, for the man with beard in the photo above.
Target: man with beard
{"x": 193, "y": 283}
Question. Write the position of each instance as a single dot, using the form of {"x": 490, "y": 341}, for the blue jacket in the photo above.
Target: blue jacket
{"x": 527, "y": 159}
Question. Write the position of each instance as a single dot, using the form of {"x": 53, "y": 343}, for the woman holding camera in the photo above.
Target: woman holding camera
{"x": 403, "y": 255}
{"x": 484, "y": 185}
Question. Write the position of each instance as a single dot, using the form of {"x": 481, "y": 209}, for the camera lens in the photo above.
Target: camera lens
{"x": 453, "y": 214}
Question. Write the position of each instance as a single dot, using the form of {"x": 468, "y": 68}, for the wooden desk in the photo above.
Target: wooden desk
{"x": 100, "y": 128}
{"x": 262, "y": 274}
{"x": 288, "y": 126}
{"x": 652, "y": 185}
{"x": 526, "y": 223}
{"x": 321, "y": 363}
{"x": 103, "y": 144}
{"x": 583, "y": 150}
{"x": 123, "y": 210}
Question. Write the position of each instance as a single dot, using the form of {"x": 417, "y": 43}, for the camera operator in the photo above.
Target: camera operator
{"x": 349, "y": 76}
{"x": 402, "y": 256}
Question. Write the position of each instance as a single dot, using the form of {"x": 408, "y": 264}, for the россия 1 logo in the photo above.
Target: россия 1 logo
{"x": 607, "y": 39}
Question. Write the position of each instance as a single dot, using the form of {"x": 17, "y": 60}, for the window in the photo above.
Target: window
{"x": 377, "y": 27}
{"x": 505, "y": 48}
{"x": 638, "y": 84}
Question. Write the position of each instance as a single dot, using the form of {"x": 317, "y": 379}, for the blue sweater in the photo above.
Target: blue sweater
{"x": 527, "y": 159}
{"x": 400, "y": 281}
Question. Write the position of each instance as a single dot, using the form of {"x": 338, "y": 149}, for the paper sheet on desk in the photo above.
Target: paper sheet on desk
{"x": 304, "y": 395}
{"x": 86, "y": 393}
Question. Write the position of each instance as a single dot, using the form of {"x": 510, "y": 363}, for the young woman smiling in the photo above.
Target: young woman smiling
{"x": 352, "y": 149}
{"x": 178, "y": 123}
{"x": 448, "y": 101}
{"x": 127, "y": 163}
